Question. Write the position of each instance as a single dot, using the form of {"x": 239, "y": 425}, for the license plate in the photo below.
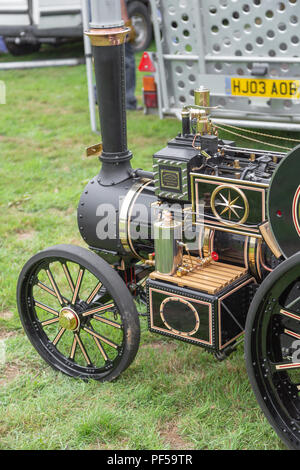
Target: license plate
{"x": 264, "y": 88}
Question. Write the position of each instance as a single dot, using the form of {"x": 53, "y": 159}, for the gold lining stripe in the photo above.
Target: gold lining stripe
{"x": 218, "y": 181}
{"x": 230, "y": 180}
{"x": 49, "y": 322}
{"x": 125, "y": 215}
{"x": 58, "y": 337}
{"x": 102, "y": 338}
{"x": 201, "y": 302}
{"x": 220, "y": 300}
{"x": 97, "y": 310}
{"x": 83, "y": 350}
{"x": 73, "y": 349}
{"x": 123, "y": 221}
{"x": 292, "y": 365}
{"x": 46, "y": 308}
{"x": 68, "y": 276}
{"x": 220, "y": 228}
{"x": 241, "y": 194}
{"x": 95, "y": 291}
{"x": 292, "y": 333}
{"x": 108, "y": 322}
{"x": 190, "y": 306}
{"x": 258, "y": 258}
{"x": 246, "y": 253}
{"x": 130, "y": 214}
{"x": 78, "y": 283}
{"x": 50, "y": 291}
{"x": 290, "y": 314}
{"x": 54, "y": 286}
{"x": 101, "y": 349}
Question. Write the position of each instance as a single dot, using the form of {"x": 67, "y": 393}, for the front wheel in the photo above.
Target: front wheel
{"x": 78, "y": 313}
{"x": 272, "y": 349}
{"x": 22, "y": 49}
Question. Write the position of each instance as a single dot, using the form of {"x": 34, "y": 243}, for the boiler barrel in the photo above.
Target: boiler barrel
{"x": 117, "y": 219}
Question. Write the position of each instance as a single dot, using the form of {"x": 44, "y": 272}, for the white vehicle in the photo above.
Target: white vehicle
{"x": 26, "y": 24}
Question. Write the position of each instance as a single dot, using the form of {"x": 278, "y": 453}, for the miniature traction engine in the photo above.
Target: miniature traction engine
{"x": 209, "y": 242}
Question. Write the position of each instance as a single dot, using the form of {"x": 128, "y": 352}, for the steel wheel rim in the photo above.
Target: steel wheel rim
{"x": 140, "y": 26}
{"x": 89, "y": 311}
{"x": 277, "y": 374}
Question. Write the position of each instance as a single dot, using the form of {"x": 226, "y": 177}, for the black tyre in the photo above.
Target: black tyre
{"x": 141, "y": 20}
{"x": 22, "y": 49}
{"x": 78, "y": 313}
{"x": 272, "y": 349}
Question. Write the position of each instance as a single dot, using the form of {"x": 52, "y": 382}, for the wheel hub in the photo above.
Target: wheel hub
{"x": 68, "y": 319}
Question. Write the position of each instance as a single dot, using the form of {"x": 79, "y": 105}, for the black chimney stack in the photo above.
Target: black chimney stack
{"x": 108, "y": 36}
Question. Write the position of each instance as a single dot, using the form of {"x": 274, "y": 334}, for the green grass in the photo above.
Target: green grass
{"x": 174, "y": 395}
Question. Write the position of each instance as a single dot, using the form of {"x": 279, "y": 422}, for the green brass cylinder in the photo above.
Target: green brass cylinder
{"x": 198, "y": 121}
{"x": 202, "y": 97}
{"x": 168, "y": 252}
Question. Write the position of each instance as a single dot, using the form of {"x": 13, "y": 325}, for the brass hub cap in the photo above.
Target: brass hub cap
{"x": 68, "y": 319}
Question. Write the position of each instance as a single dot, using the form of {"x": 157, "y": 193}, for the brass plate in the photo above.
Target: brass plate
{"x": 94, "y": 151}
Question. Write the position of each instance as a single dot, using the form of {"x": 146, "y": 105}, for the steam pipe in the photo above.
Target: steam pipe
{"x": 108, "y": 36}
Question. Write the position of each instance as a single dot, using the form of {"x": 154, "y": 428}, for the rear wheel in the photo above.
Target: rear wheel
{"x": 141, "y": 20}
{"x": 78, "y": 313}
{"x": 272, "y": 349}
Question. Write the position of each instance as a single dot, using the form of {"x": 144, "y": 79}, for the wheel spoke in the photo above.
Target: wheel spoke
{"x": 102, "y": 338}
{"x": 287, "y": 313}
{"x": 98, "y": 310}
{"x": 287, "y": 365}
{"x": 83, "y": 350}
{"x": 50, "y": 291}
{"x": 68, "y": 276}
{"x": 58, "y": 336}
{"x": 50, "y": 322}
{"x": 292, "y": 333}
{"x": 73, "y": 348}
{"x": 77, "y": 285}
{"x": 55, "y": 288}
{"x": 294, "y": 302}
{"x": 101, "y": 348}
{"x": 109, "y": 322}
{"x": 46, "y": 308}
{"x": 94, "y": 293}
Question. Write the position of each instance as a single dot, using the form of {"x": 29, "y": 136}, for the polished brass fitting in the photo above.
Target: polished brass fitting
{"x": 108, "y": 37}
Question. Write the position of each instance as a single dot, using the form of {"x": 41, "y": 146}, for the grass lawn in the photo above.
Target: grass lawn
{"x": 174, "y": 396}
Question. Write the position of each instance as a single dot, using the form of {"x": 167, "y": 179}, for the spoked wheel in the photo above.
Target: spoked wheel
{"x": 78, "y": 313}
{"x": 272, "y": 348}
